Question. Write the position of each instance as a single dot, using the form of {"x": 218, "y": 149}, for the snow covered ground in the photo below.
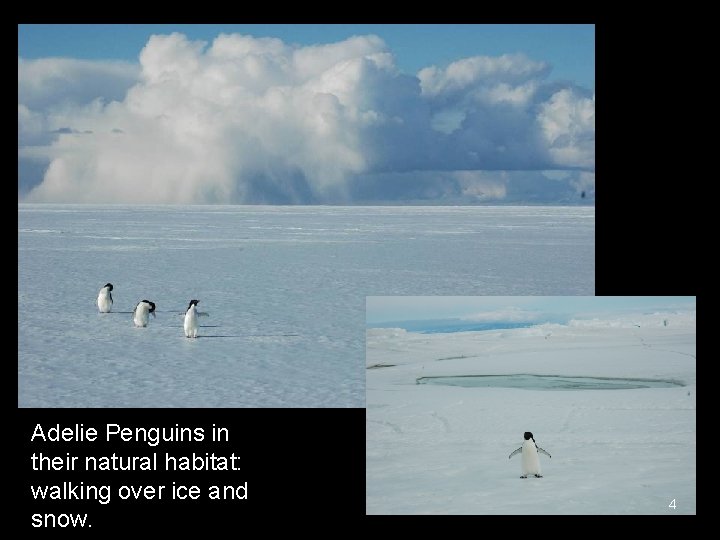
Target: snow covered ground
{"x": 285, "y": 287}
{"x": 444, "y": 449}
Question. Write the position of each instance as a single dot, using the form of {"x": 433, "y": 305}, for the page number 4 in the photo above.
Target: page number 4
{"x": 672, "y": 504}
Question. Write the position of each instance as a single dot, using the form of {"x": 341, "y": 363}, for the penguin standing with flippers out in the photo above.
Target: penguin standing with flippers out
{"x": 530, "y": 459}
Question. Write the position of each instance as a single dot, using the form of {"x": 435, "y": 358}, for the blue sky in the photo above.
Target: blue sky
{"x": 569, "y": 48}
{"x": 514, "y": 308}
{"x": 306, "y": 114}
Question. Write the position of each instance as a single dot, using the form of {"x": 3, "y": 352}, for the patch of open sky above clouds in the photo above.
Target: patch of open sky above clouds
{"x": 234, "y": 118}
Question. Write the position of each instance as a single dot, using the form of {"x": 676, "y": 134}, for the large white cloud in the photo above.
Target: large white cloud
{"x": 246, "y": 119}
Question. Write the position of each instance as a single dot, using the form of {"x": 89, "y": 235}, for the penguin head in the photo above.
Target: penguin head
{"x": 528, "y": 436}
{"x": 108, "y": 286}
{"x": 192, "y": 303}
{"x": 151, "y": 304}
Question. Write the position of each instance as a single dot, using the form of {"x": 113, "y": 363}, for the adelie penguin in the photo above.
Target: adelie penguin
{"x": 104, "y": 299}
{"x": 530, "y": 458}
{"x": 191, "y": 319}
{"x": 141, "y": 313}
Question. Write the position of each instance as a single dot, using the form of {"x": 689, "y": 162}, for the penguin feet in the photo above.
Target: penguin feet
{"x": 538, "y": 476}
{"x": 524, "y": 476}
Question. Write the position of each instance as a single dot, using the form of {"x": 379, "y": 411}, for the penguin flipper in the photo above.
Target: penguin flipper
{"x": 543, "y": 451}
{"x": 515, "y": 452}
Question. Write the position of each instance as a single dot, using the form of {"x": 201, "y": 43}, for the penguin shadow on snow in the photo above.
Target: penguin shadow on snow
{"x": 242, "y": 336}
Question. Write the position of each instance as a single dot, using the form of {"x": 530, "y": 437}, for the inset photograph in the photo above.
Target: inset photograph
{"x": 530, "y": 405}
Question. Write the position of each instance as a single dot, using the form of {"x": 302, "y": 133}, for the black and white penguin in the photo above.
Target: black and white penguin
{"x": 141, "y": 314}
{"x": 530, "y": 458}
{"x": 104, "y": 299}
{"x": 191, "y": 319}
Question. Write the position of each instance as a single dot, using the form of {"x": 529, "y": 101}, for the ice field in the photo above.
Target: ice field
{"x": 443, "y": 449}
{"x": 285, "y": 288}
